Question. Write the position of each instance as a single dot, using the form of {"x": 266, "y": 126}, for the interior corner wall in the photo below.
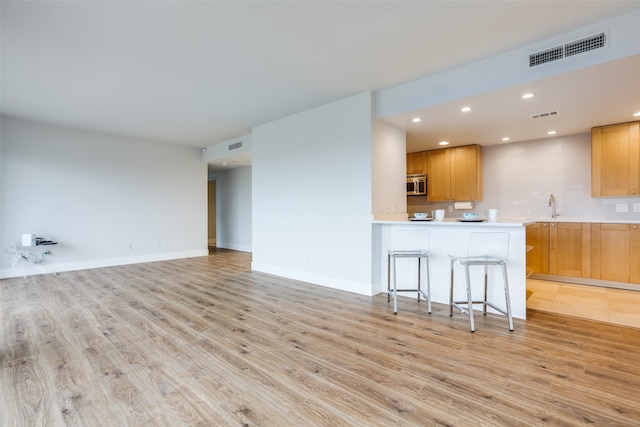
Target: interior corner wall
{"x": 311, "y": 195}
{"x": 107, "y": 200}
{"x": 233, "y": 207}
{"x": 211, "y": 212}
{"x": 389, "y": 171}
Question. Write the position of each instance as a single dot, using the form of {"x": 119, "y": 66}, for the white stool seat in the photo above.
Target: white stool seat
{"x": 485, "y": 249}
{"x": 408, "y": 243}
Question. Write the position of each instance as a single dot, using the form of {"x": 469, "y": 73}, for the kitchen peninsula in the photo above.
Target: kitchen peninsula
{"x": 451, "y": 237}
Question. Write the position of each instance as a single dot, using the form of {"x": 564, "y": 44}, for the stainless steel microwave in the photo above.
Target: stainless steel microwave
{"x": 416, "y": 185}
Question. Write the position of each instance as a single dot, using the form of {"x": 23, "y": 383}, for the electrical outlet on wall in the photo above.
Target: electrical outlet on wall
{"x": 636, "y": 207}
{"x": 622, "y": 207}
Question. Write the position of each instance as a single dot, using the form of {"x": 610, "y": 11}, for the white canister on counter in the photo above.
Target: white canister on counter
{"x": 492, "y": 215}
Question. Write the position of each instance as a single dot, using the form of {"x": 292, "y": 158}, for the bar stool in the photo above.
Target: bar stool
{"x": 485, "y": 249}
{"x": 408, "y": 243}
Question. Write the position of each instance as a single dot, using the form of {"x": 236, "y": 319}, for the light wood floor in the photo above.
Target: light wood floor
{"x": 616, "y": 306}
{"x": 204, "y": 341}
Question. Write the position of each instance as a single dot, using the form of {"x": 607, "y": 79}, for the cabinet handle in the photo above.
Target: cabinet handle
{"x": 544, "y": 225}
{"x": 635, "y": 227}
{"x": 633, "y": 191}
{"x": 553, "y": 225}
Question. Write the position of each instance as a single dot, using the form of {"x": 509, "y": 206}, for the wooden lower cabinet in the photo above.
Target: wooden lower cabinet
{"x": 570, "y": 249}
{"x": 538, "y": 242}
{"x": 616, "y": 252}
{"x": 597, "y": 251}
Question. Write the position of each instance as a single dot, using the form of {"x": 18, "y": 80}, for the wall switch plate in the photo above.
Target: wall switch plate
{"x": 636, "y": 207}
{"x": 622, "y": 207}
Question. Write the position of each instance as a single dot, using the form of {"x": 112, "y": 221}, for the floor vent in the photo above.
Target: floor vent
{"x": 575, "y": 47}
{"x": 235, "y": 145}
{"x": 545, "y": 114}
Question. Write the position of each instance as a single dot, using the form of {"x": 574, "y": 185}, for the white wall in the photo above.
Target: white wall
{"x": 233, "y": 206}
{"x": 389, "y": 172}
{"x": 312, "y": 195}
{"x": 96, "y": 195}
{"x": 518, "y": 178}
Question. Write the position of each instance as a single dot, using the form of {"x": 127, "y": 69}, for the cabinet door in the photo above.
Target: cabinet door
{"x": 438, "y": 175}
{"x": 416, "y": 163}
{"x": 615, "y": 160}
{"x": 615, "y": 252}
{"x": 466, "y": 173}
{"x": 634, "y": 254}
{"x": 610, "y": 252}
{"x": 538, "y": 240}
{"x": 570, "y": 249}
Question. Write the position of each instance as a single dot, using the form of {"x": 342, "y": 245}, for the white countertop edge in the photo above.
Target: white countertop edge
{"x": 456, "y": 222}
{"x": 590, "y": 221}
{"x": 512, "y": 222}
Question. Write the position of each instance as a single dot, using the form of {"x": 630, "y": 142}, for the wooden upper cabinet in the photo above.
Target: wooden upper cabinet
{"x": 438, "y": 175}
{"x": 454, "y": 174}
{"x": 417, "y": 163}
{"x": 570, "y": 249}
{"x": 615, "y": 252}
{"x": 615, "y": 160}
{"x": 538, "y": 240}
{"x": 466, "y": 173}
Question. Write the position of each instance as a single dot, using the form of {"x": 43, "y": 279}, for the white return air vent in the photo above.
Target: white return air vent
{"x": 545, "y": 114}
{"x": 571, "y": 48}
{"x": 235, "y": 145}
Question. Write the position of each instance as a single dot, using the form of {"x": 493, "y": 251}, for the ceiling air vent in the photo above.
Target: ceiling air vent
{"x": 586, "y": 44}
{"x": 545, "y": 114}
{"x": 545, "y": 56}
{"x": 235, "y": 145}
{"x": 574, "y": 47}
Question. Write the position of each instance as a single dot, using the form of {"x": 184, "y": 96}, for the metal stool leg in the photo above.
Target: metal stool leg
{"x": 419, "y": 271}
{"x": 486, "y": 280}
{"x": 428, "y": 287}
{"x": 388, "y": 277}
{"x": 395, "y": 286}
{"x": 506, "y": 295}
{"x": 470, "y": 299}
{"x": 451, "y": 292}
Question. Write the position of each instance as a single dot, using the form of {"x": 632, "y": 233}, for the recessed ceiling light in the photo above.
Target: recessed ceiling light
{"x": 637, "y": 114}
{"x": 506, "y": 138}
{"x": 551, "y": 132}
{"x": 465, "y": 109}
{"x": 528, "y": 95}
{"x": 443, "y": 143}
{"x": 416, "y": 120}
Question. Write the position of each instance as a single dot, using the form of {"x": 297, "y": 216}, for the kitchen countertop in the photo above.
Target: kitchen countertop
{"x": 591, "y": 221}
{"x": 508, "y": 221}
{"x": 456, "y": 221}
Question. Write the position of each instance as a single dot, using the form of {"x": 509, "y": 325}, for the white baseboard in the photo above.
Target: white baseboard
{"x": 51, "y": 268}
{"x": 241, "y": 248}
{"x": 329, "y": 282}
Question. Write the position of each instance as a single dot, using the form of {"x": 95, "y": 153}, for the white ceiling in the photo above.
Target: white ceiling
{"x": 196, "y": 73}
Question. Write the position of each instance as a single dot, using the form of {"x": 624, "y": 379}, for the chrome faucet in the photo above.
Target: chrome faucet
{"x": 552, "y": 203}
